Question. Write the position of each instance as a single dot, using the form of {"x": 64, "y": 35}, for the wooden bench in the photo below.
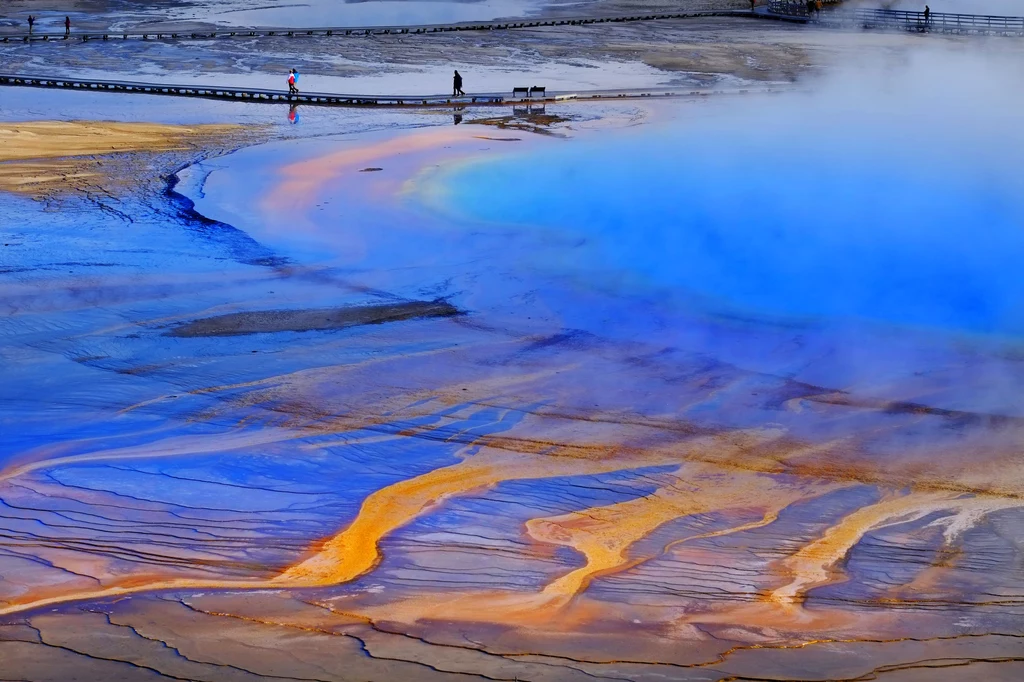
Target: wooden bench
{"x": 529, "y": 93}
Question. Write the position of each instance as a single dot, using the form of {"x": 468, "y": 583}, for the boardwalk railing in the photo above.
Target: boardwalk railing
{"x": 503, "y": 24}
{"x": 940, "y": 22}
{"x": 262, "y": 95}
{"x": 789, "y": 10}
{"x": 243, "y": 94}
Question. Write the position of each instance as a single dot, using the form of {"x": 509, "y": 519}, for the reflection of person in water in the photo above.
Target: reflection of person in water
{"x": 293, "y": 114}
{"x": 457, "y": 84}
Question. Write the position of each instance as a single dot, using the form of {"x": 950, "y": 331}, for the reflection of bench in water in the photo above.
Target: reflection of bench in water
{"x": 529, "y": 93}
{"x": 527, "y": 110}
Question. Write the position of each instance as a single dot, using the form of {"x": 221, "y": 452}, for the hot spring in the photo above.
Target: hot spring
{"x": 826, "y": 225}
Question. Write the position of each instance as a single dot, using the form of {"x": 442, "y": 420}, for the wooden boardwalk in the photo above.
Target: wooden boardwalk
{"x": 260, "y": 95}
{"x": 936, "y": 22}
{"x": 342, "y": 31}
{"x": 897, "y": 20}
{"x": 781, "y": 10}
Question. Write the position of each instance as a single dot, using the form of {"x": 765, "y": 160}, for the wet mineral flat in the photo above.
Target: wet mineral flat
{"x": 625, "y": 391}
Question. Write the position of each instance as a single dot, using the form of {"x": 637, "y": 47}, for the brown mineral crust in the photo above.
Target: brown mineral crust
{"x": 318, "y": 319}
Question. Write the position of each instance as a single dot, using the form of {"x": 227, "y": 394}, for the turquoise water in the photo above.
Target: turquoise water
{"x": 756, "y": 226}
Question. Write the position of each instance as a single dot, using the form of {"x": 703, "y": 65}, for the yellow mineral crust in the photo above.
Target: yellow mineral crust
{"x": 815, "y": 564}
{"x": 354, "y": 550}
{"x": 604, "y": 534}
{"x": 54, "y": 139}
{"x": 44, "y": 154}
{"x": 737, "y": 471}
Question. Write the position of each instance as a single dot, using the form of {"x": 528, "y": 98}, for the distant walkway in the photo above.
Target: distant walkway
{"x": 499, "y": 25}
{"x": 793, "y": 11}
{"x": 915, "y": 22}
{"x": 265, "y": 96}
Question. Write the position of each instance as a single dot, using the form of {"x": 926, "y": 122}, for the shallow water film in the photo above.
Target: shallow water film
{"x": 624, "y": 391}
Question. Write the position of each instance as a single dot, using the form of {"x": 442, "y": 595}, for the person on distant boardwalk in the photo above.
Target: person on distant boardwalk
{"x": 31, "y": 23}
{"x": 67, "y": 27}
{"x": 927, "y": 13}
{"x": 457, "y": 85}
{"x": 292, "y": 90}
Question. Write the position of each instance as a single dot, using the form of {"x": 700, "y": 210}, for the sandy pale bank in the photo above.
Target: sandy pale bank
{"x": 47, "y": 155}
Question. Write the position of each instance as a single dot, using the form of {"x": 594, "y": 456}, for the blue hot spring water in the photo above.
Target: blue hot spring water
{"x": 744, "y": 225}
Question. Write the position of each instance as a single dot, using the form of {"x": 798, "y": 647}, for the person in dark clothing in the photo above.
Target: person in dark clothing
{"x": 457, "y": 85}
{"x": 67, "y": 27}
{"x": 810, "y": 7}
{"x": 31, "y": 23}
{"x": 927, "y": 13}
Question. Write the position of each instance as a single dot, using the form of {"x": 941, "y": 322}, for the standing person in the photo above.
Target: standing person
{"x": 752, "y": 5}
{"x": 927, "y": 14}
{"x": 31, "y": 23}
{"x": 295, "y": 72}
{"x": 67, "y": 27}
{"x": 291, "y": 82}
{"x": 457, "y": 84}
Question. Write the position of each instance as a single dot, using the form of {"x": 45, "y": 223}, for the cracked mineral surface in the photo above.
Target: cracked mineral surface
{"x": 717, "y": 387}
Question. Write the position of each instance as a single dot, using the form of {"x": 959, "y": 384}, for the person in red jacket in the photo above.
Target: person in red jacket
{"x": 67, "y": 27}
{"x": 292, "y": 90}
